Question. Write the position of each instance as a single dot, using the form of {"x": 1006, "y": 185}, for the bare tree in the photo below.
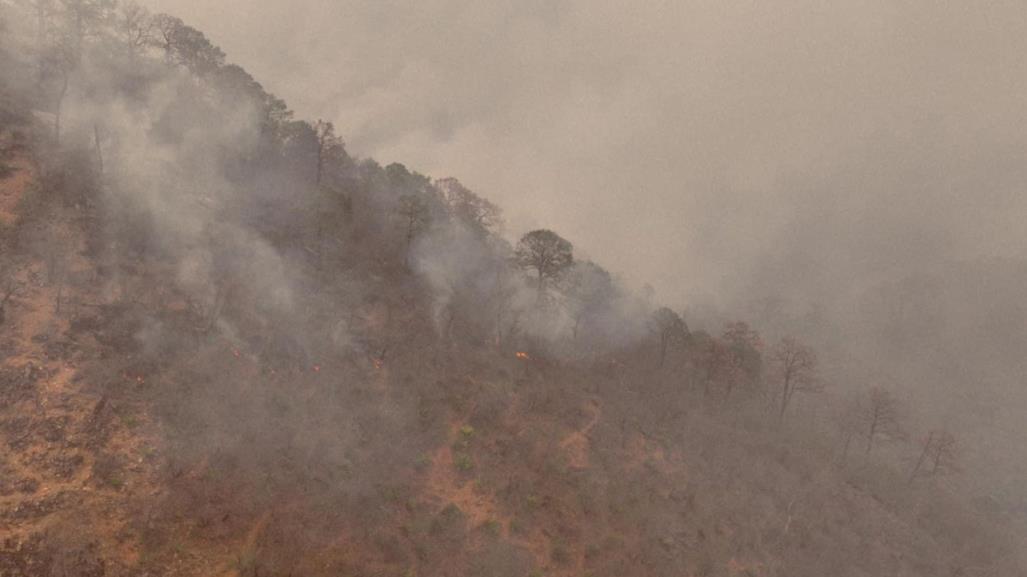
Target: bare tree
{"x": 479, "y": 214}
{"x": 796, "y": 367}
{"x": 136, "y": 27}
{"x": 186, "y": 46}
{"x": 328, "y": 146}
{"x": 165, "y": 28}
{"x": 546, "y": 253}
{"x": 937, "y": 455}
{"x": 880, "y": 417}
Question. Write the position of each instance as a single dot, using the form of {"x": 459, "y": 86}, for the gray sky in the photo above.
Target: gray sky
{"x": 706, "y": 147}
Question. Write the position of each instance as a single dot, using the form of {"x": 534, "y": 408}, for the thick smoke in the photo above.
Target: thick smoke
{"x": 849, "y": 173}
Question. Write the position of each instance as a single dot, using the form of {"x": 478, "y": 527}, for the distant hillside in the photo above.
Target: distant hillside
{"x": 230, "y": 348}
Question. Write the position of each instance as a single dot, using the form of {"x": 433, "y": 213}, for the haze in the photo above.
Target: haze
{"x": 506, "y": 289}
{"x": 786, "y": 162}
{"x": 685, "y": 144}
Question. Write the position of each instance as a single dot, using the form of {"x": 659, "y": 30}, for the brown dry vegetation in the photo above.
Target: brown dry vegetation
{"x": 207, "y": 379}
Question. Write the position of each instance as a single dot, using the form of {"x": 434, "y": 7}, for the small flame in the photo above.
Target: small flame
{"x": 317, "y": 368}
{"x": 378, "y": 363}
{"x": 236, "y": 353}
{"x": 523, "y": 356}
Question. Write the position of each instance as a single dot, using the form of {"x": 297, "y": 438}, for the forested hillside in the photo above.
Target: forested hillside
{"x": 231, "y": 348}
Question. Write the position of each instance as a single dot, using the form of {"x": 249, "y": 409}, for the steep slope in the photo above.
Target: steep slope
{"x": 69, "y": 458}
{"x": 527, "y": 465}
{"x": 232, "y": 349}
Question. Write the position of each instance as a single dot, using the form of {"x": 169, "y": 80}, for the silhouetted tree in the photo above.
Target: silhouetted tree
{"x": 796, "y": 367}
{"x": 670, "y": 328}
{"x": 414, "y": 211}
{"x": 328, "y": 146}
{"x": 880, "y": 416}
{"x": 135, "y": 27}
{"x": 937, "y": 455}
{"x": 186, "y": 46}
{"x": 546, "y": 253}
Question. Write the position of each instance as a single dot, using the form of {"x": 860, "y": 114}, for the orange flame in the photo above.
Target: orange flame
{"x": 523, "y": 356}
{"x": 378, "y": 363}
{"x": 317, "y": 368}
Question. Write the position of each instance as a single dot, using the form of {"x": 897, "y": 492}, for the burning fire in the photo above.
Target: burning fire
{"x": 378, "y": 363}
{"x": 317, "y": 368}
{"x": 523, "y": 356}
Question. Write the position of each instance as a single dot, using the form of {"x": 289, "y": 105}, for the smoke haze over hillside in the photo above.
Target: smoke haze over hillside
{"x": 814, "y": 167}
{"x": 699, "y": 146}
{"x": 513, "y": 288}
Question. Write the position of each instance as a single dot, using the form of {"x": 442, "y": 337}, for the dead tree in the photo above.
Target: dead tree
{"x": 328, "y": 146}
{"x": 937, "y": 455}
{"x": 796, "y": 366}
{"x": 880, "y": 416}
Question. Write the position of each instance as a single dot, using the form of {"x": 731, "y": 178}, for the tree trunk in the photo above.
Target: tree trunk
{"x": 99, "y": 149}
{"x": 923, "y": 456}
{"x": 785, "y": 394}
{"x": 870, "y": 435}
